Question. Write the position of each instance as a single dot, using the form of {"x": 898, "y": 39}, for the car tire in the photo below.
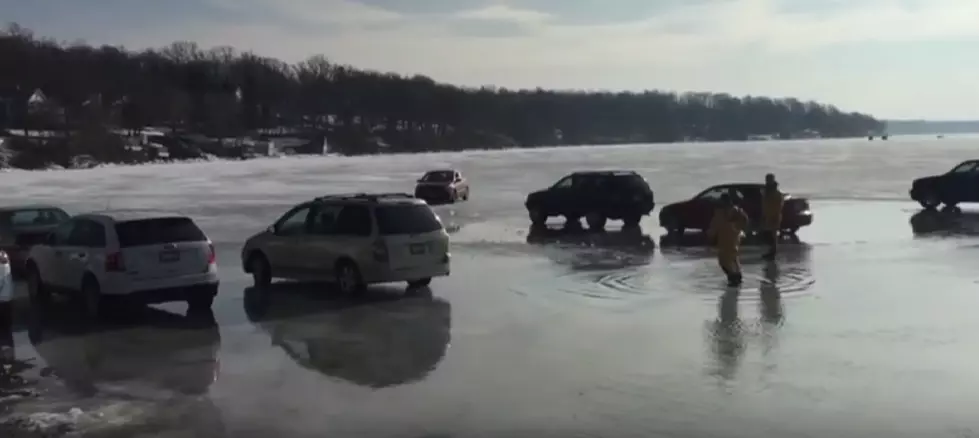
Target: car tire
{"x": 36, "y": 290}
{"x": 348, "y": 278}
{"x": 465, "y": 197}
{"x": 631, "y": 221}
{"x": 537, "y": 217}
{"x": 92, "y": 300}
{"x": 929, "y": 202}
{"x": 596, "y": 221}
{"x": 422, "y": 282}
{"x": 261, "y": 270}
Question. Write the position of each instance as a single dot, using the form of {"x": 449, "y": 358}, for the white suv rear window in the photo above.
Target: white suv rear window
{"x": 158, "y": 231}
{"x": 406, "y": 219}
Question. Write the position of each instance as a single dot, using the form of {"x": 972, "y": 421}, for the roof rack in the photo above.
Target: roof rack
{"x": 372, "y": 197}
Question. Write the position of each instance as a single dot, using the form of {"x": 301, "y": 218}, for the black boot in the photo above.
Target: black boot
{"x": 734, "y": 279}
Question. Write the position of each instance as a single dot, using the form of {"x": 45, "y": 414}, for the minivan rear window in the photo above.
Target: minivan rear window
{"x": 158, "y": 231}
{"x": 406, "y": 219}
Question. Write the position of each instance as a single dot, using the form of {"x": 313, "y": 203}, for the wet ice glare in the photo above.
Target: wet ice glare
{"x": 866, "y": 326}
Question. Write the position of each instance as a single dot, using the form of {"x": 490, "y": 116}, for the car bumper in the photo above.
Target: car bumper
{"x": 384, "y": 274}
{"x": 799, "y": 220}
{"x": 434, "y": 193}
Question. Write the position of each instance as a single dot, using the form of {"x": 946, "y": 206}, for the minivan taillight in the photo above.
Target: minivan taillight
{"x": 212, "y": 255}
{"x": 114, "y": 262}
{"x": 380, "y": 251}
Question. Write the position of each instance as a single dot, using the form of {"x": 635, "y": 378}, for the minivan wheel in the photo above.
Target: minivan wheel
{"x": 348, "y": 278}
{"x": 631, "y": 221}
{"x": 596, "y": 221}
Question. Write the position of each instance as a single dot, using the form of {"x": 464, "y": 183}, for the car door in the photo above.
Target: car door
{"x": 561, "y": 194}
{"x": 83, "y": 248}
{"x": 960, "y": 184}
{"x": 51, "y": 256}
{"x": 320, "y": 249}
{"x": 287, "y": 235}
{"x": 700, "y": 209}
{"x": 749, "y": 198}
{"x": 970, "y": 186}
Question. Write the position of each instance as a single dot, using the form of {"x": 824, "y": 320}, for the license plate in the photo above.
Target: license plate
{"x": 169, "y": 256}
{"x": 417, "y": 248}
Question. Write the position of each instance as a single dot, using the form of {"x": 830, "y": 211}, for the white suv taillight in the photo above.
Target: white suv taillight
{"x": 379, "y": 250}
{"x": 115, "y": 263}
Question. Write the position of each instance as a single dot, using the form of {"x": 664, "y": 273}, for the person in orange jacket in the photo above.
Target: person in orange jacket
{"x": 771, "y": 211}
{"x": 725, "y": 229}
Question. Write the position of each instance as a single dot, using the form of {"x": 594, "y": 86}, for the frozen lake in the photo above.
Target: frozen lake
{"x": 864, "y": 326}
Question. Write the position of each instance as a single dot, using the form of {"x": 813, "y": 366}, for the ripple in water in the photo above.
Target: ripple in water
{"x": 619, "y": 283}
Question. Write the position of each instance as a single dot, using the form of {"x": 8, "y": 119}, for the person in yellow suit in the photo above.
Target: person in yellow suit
{"x": 725, "y": 229}
{"x": 771, "y": 211}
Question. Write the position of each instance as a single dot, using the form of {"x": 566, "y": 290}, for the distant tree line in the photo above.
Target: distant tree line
{"x": 221, "y": 92}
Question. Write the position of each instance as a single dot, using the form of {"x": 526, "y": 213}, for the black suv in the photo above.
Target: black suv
{"x": 960, "y": 184}
{"x": 597, "y": 196}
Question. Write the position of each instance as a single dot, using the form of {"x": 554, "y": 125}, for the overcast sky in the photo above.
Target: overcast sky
{"x": 891, "y": 58}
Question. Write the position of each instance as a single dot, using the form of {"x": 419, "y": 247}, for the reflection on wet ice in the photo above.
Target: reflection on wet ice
{"x": 141, "y": 346}
{"x": 377, "y": 341}
{"x": 728, "y": 332}
{"x": 945, "y": 222}
{"x": 122, "y": 367}
{"x": 583, "y": 249}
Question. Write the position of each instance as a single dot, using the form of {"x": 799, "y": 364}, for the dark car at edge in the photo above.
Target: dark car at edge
{"x": 22, "y": 227}
{"x": 960, "y": 184}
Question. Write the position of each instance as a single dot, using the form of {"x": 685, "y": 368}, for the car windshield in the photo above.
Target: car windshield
{"x": 406, "y": 219}
{"x": 964, "y": 167}
{"x": 31, "y": 217}
{"x": 439, "y": 176}
{"x": 158, "y": 231}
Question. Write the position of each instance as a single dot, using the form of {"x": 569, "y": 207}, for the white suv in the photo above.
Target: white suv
{"x": 352, "y": 240}
{"x": 151, "y": 257}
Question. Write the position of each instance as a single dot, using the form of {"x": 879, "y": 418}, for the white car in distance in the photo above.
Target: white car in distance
{"x": 352, "y": 240}
{"x": 145, "y": 256}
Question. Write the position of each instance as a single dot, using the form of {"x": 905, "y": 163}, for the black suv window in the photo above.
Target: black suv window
{"x": 564, "y": 183}
{"x": 406, "y": 219}
{"x": 631, "y": 182}
{"x": 968, "y": 166}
